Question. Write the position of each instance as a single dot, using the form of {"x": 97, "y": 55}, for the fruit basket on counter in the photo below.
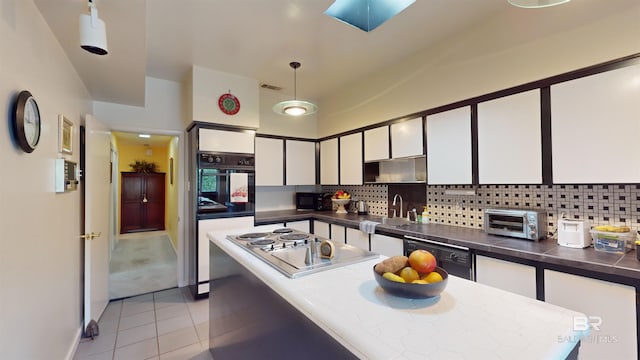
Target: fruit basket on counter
{"x": 341, "y": 198}
{"x": 613, "y": 239}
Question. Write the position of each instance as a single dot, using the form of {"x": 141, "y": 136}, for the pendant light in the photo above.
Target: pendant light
{"x": 535, "y": 4}
{"x": 295, "y": 107}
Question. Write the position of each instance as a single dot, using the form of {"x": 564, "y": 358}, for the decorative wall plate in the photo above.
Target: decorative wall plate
{"x": 229, "y": 104}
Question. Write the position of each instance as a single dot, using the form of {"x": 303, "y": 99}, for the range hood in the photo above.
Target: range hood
{"x": 401, "y": 170}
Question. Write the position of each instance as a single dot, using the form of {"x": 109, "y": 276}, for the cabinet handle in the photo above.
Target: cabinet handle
{"x": 144, "y": 200}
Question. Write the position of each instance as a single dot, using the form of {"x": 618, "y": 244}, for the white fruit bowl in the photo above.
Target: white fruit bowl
{"x": 341, "y": 203}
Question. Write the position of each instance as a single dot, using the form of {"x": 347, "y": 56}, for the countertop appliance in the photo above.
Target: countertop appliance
{"x": 312, "y": 201}
{"x": 296, "y": 253}
{"x": 456, "y": 260}
{"x": 360, "y": 207}
{"x": 518, "y": 223}
{"x": 574, "y": 233}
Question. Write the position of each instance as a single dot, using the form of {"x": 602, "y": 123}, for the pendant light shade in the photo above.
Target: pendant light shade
{"x": 295, "y": 107}
{"x": 535, "y": 4}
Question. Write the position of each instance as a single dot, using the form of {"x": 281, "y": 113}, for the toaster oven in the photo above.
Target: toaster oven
{"x": 518, "y": 223}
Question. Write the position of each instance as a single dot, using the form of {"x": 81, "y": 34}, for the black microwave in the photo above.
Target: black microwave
{"x": 309, "y": 201}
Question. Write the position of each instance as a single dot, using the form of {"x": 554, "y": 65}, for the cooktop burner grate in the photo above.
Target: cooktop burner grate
{"x": 294, "y": 237}
{"x": 252, "y": 236}
{"x": 263, "y": 242}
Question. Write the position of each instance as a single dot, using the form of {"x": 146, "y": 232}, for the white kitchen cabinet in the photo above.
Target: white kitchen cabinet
{"x": 376, "y": 144}
{"x": 595, "y": 128}
{"x": 269, "y": 162}
{"x": 357, "y": 238}
{"x": 233, "y": 225}
{"x": 407, "y": 138}
{"x": 329, "y": 162}
{"x": 509, "y": 130}
{"x": 351, "y": 159}
{"x": 299, "y": 225}
{"x": 386, "y": 245}
{"x": 506, "y": 275}
{"x": 449, "y": 147}
{"x": 300, "y": 162}
{"x": 610, "y": 309}
{"x": 226, "y": 141}
{"x": 321, "y": 229}
{"x": 338, "y": 233}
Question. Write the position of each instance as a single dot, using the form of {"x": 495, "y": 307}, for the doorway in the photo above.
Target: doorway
{"x": 145, "y": 256}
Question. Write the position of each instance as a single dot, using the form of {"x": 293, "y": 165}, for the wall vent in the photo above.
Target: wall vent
{"x": 270, "y": 87}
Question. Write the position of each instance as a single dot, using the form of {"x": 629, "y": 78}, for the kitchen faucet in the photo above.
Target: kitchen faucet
{"x": 394, "y": 204}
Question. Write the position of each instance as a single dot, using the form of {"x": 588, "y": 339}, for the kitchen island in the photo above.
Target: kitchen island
{"x": 468, "y": 320}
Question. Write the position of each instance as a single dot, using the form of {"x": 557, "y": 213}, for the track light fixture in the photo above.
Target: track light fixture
{"x": 93, "y": 32}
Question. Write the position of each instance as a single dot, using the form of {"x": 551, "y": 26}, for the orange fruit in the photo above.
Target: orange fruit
{"x": 432, "y": 277}
{"x": 409, "y": 274}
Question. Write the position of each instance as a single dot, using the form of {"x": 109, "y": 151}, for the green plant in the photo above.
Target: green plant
{"x": 143, "y": 166}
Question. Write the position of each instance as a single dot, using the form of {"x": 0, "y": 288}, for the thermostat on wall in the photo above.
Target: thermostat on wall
{"x": 66, "y": 176}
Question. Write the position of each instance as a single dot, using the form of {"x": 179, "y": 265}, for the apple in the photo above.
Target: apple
{"x": 422, "y": 261}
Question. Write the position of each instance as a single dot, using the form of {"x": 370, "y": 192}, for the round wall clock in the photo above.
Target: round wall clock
{"x": 229, "y": 104}
{"x": 26, "y": 121}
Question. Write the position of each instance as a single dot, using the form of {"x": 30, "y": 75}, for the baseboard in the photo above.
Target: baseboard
{"x": 172, "y": 244}
{"x": 74, "y": 346}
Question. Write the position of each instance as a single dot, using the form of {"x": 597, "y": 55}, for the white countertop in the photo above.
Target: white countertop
{"x": 467, "y": 321}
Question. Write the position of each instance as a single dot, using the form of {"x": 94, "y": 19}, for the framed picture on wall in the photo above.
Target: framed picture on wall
{"x": 65, "y": 135}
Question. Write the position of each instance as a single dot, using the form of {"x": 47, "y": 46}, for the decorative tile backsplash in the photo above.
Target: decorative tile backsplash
{"x": 600, "y": 204}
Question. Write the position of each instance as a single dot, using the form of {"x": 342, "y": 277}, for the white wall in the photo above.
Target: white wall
{"x": 163, "y": 109}
{"x": 508, "y": 50}
{"x": 40, "y": 248}
{"x": 209, "y": 85}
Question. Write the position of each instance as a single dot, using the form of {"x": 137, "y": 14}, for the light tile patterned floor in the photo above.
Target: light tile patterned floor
{"x": 163, "y": 325}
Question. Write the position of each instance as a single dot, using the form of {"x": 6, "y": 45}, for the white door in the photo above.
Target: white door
{"x": 96, "y": 218}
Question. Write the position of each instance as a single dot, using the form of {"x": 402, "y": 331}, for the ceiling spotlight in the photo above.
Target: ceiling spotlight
{"x": 535, "y": 4}
{"x": 93, "y": 32}
{"x": 294, "y": 107}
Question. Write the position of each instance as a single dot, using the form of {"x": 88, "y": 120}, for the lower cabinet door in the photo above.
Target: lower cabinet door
{"x": 357, "y": 238}
{"x": 321, "y": 229}
{"x": 609, "y": 308}
{"x": 386, "y": 245}
{"x": 338, "y": 233}
{"x": 506, "y": 275}
{"x": 298, "y": 225}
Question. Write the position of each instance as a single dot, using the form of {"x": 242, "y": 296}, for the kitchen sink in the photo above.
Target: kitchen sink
{"x": 396, "y": 221}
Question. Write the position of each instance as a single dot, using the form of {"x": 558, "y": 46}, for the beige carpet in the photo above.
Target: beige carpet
{"x": 142, "y": 263}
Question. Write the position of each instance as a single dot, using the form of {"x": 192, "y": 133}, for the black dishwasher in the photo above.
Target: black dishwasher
{"x": 456, "y": 260}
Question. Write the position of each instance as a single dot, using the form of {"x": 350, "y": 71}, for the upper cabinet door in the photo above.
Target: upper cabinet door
{"x": 595, "y": 127}
{"x": 301, "y": 162}
{"x": 329, "y": 162}
{"x": 509, "y": 129}
{"x": 226, "y": 141}
{"x": 407, "y": 138}
{"x": 269, "y": 162}
{"x": 351, "y": 159}
{"x": 376, "y": 144}
{"x": 449, "y": 147}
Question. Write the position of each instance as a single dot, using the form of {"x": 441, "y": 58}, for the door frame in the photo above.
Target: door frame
{"x": 180, "y": 180}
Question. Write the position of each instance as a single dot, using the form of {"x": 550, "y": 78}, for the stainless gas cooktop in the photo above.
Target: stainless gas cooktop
{"x": 287, "y": 251}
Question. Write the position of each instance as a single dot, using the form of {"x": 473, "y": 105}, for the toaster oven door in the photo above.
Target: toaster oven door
{"x": 506, "y": 224}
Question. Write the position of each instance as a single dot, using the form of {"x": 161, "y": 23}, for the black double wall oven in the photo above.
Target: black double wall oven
{"x": 225, "y": 185}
